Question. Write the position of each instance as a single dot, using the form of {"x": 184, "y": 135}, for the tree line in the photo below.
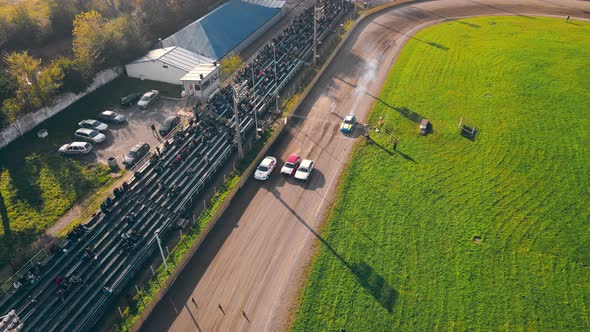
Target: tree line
{"x": 103, "y": 33}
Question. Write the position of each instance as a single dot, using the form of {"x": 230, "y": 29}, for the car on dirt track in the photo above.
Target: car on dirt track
{"x": 267, "y": 165}
{"x": 93, "y": 124}
{"x": 290, "y": 166}
{"x": 90, "y": 135}
{"x": 305, "y": 169}
{"x": 75, "y": 148}
{"x": 348, "y": 123}
{"x": 148, "y": 99}
{"x": 111, "y": 117}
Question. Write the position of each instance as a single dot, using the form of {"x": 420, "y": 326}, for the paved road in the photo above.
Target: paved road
{"x": 246, "y": 274}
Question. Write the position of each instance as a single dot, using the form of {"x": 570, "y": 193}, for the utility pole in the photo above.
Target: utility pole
{"x": 255, "y": 112}
{"x": 274, "y": 56}
{"x": 318, "y": 13}
{"x": 239, "y": 93}
{"x": 157, "y": 233}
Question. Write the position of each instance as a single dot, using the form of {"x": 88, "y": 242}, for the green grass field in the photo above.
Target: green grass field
{"x": 399, "y": 252}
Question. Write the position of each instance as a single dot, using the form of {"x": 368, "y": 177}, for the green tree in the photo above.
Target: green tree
{"x": 230, "y": 64}
{"x": 73, "y": 79}
{"x": 88, "y": 41}
{"x": 35, "y": 85}
{"x": 26, "y": 29}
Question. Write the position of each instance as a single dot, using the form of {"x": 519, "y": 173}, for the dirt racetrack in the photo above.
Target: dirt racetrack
{"x": 246, "y": 274}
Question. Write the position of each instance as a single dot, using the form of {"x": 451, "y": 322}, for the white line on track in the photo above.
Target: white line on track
{"x": 328, "y": 188}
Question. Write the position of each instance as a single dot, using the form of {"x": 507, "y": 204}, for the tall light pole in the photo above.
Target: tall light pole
{"x": 274, "y": 56}
{"x": 157, "y": 233}
{"x": 255, "y": 112}
{"x": 239, "y": 92}
{"x": 318, "y": 13}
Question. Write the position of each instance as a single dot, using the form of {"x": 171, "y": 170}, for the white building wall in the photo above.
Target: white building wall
{"x": 156, "y": 71}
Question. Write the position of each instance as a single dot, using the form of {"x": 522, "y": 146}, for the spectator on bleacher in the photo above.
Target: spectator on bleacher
{"x": 107, "y": 290}
{"x": 162, "y": 186}
{"x": 89, "y": 254}
{"x": 173, "y": 191}
{"x": 125, "y": 186}
{"x": 16, "y": 285}
{"x": 74, "y": 280}
{"x": 59, "y": 279}
{"x": 61, "y": 293}
{"x": 31, "y": 277}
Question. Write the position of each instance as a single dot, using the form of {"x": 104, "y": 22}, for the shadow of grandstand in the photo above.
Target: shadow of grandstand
{"x": 365, "y": 275}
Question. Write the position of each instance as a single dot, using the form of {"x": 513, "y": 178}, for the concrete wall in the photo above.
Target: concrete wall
{"x": 155, "y": 71}
{"x": 29, "y": 121}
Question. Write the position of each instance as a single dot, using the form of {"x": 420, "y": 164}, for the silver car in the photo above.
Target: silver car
{"x": 93, "y": 124}
{"x": 148, "y": 99}
{"x": 90, "y": 135}
{"x": 75, "y": 148}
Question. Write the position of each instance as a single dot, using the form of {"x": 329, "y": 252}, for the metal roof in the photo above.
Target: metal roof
{"x": 222, "y": 30}
{"x": 176, "y": 57}
{"x": 268, "y": 3}
{"x": 195, "y": 74}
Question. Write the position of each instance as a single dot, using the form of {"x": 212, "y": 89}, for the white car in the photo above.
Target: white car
{"x": 304, "y": 170}
{"x": 148, "y": 99}
{"x": 90, "y": 135}
{"x": 266, "y": 167}
{"x": 93, "y": 124}
{"x": 75, "y": 148}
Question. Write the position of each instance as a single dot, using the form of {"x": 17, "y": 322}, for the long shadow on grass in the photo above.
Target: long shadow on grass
{"x": 24, "y": 177}
{"x": 366, "y": 276}
{"x": 404, "y": 111}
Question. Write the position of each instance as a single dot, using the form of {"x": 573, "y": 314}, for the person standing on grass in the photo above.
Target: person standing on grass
{"x": 395, "y": 144}
{"x": 567, "y": 19}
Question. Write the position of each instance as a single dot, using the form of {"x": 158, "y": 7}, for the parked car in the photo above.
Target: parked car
{"x": 90, "y": 135}
{"x": 112, "y": 117}
{"x": 305, "y": 169}
{"x": 168, "y": 125}
{"x": 267, "y": 165}
{"x": 93, "y": 124}
{"x": 148, "y": 99}
{"x": 348, "y": 123}
{"x": 135, "y": 154}
{"x": 130, "y": 99}
{"x": 290, "y": 166}
{"x": 75, "y": 148}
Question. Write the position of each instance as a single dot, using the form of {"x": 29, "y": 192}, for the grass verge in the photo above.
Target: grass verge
{"x": 450, "y": 232}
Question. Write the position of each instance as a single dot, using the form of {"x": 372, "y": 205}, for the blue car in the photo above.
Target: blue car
{"x": 348, "y": 123}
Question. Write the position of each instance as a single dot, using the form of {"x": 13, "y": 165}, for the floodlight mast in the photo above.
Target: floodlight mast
{"x": 239, "y": 92}
{"x": 318, "y": 13}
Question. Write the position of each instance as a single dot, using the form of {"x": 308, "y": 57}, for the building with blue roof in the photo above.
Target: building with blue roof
{"x": 229, "y": 28}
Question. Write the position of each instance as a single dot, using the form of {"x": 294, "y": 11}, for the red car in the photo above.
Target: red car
{"x": 290, "y": 167}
